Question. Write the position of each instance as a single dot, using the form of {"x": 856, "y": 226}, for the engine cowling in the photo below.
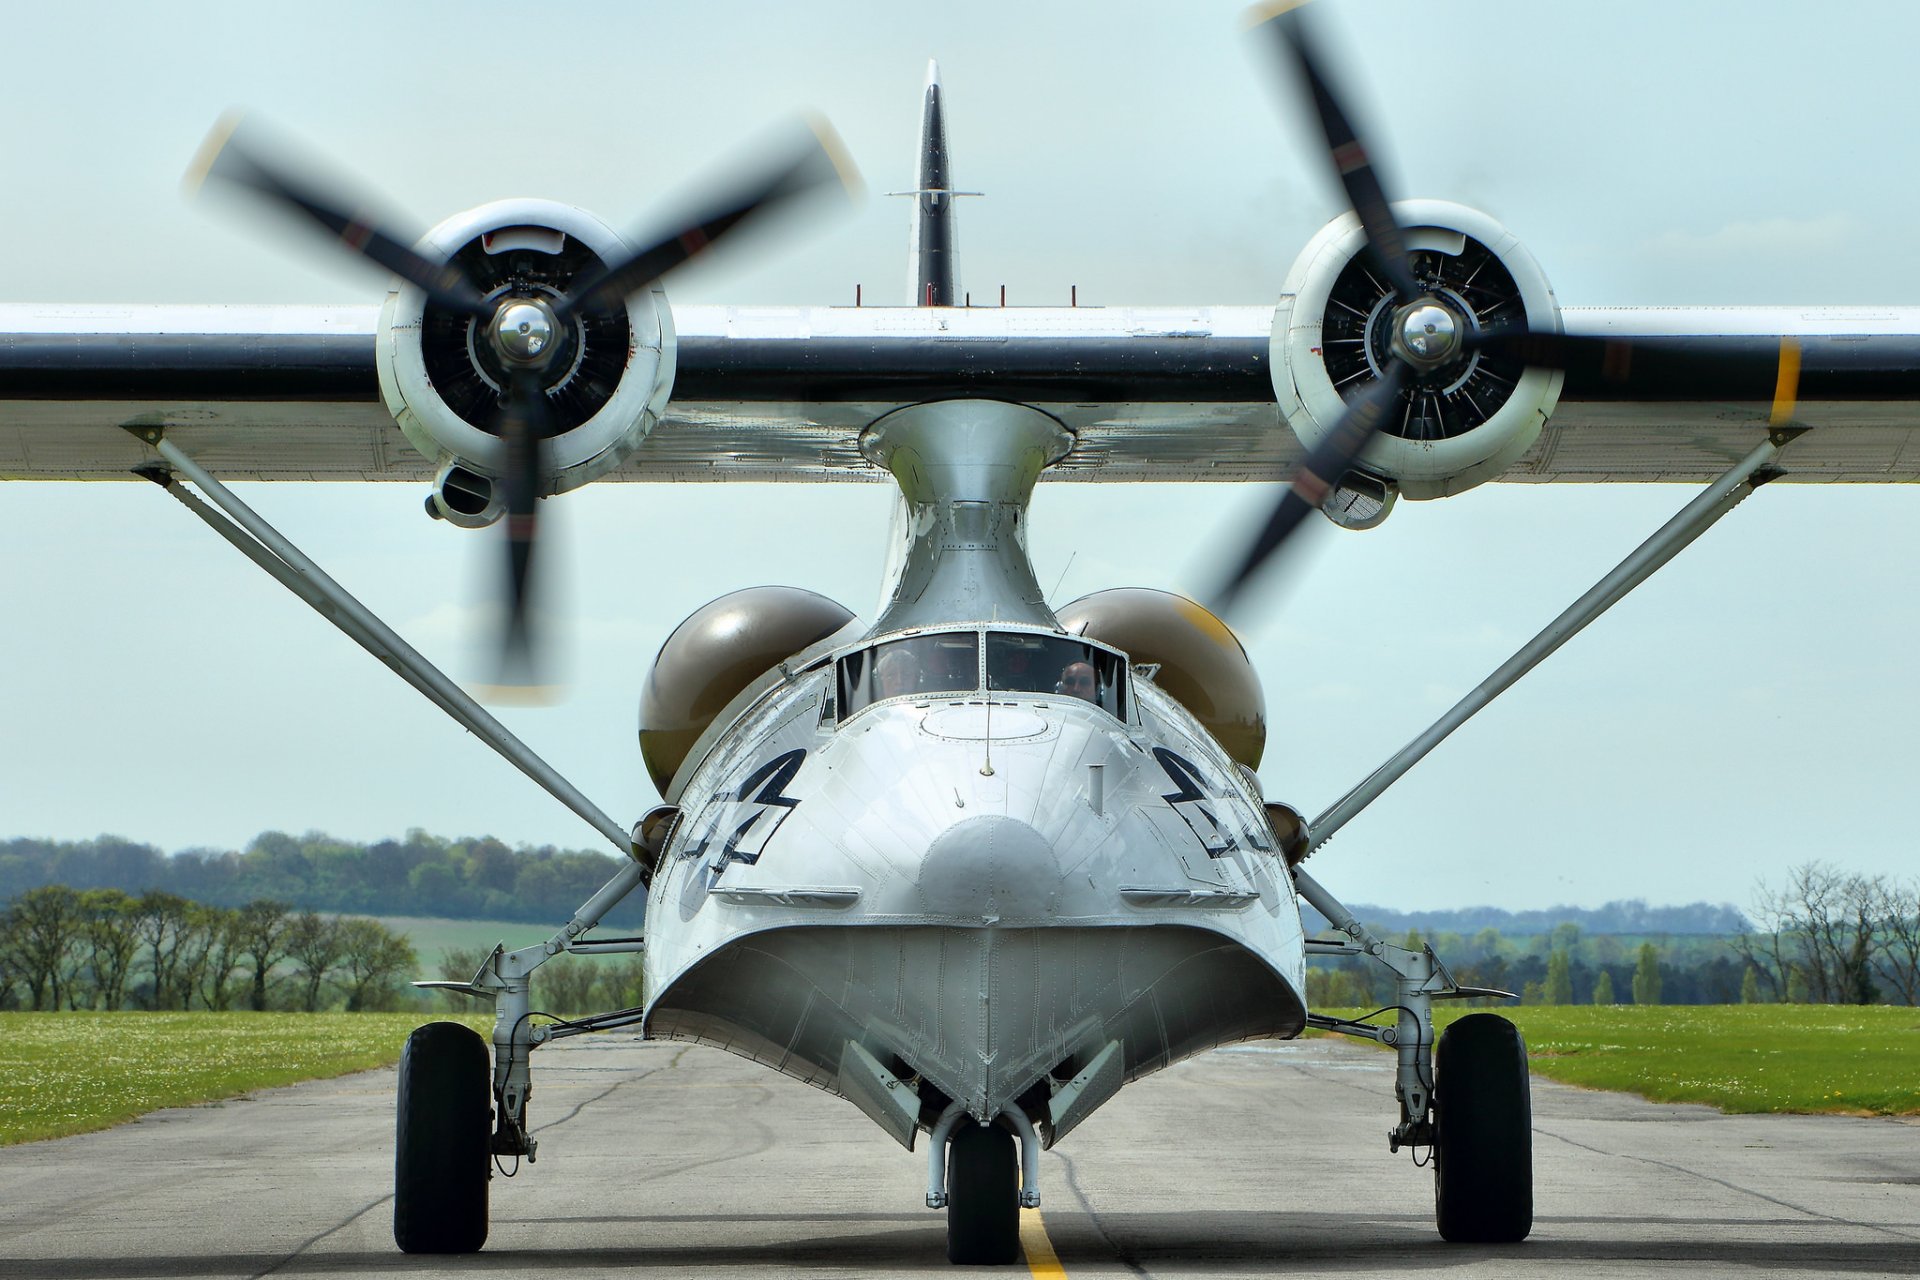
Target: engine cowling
{"x": 715, "y": 656}
{"x": 443, "y": 383}
{"x": 1202, "y": 664}
{"x": 1463, "y": 423}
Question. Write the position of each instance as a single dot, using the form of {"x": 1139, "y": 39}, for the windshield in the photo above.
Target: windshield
{"x": 1025, "y": 663}
{"x": 948, "y": 663}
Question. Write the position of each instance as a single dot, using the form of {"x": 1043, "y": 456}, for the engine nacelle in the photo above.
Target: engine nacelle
{"x": 715, "y": 656}
{"x": 1202, "y": 665}
{"x": 1461, "y": 424}
{"x": 443, "y": 383}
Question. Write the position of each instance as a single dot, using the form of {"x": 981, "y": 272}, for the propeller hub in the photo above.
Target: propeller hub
{"x": 1427, "y": 334}
{"x": 523, "y": 332}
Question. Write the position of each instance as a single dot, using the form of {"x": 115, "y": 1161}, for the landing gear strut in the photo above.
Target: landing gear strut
{"x": 1468, "y": 1099}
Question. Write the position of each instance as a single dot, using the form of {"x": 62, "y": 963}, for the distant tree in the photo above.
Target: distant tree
{"x": 1822, "y": 926}
{"x": 41, "y": 934}
{"x": 459, "y": 965}
{"x": 1566, "y": 937}
{"x": 1603, "y": 988}
{"x": 261, "y": 934}
{"x": 564, "y": 985}
{"x": 313, "y": 944}
{"x": 160, "y": 920}
{"x": 372, "y": 957}
{"x": 1798, "y": 991}
{"x": 220, "y": 958}
{"x": 1559, "y": 982}
{"x": 623, "y": 983}
{"x": 1896, "y": 960}
{"x": 1750, "y": 986}
{"x": 1646, "y": 976}
{"x": 106, "y": 927}
{"x": 1413, "y": 940}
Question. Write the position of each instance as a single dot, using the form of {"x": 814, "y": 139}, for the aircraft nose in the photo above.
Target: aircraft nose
{"x": 989, "y": 868}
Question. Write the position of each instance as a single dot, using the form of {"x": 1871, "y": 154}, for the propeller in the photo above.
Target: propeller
{"x": 1428, "y": 333}
{"x": 525, "y": 332}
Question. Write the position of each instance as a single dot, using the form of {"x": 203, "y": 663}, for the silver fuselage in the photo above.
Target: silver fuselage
{"x": 987, "y": 893}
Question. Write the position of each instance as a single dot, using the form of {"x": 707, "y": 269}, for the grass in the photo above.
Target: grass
{"x": 432, "y": 937}
{"x": 66, "y": 1073}
{"x": 1836, "y": 1059}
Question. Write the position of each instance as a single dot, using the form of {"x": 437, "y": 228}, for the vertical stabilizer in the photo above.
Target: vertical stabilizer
{"x": 934, "y": 256}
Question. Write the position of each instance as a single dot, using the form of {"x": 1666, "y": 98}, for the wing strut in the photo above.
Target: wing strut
{"x": 261, "y": 543}
{"x": 1694, "y": 519}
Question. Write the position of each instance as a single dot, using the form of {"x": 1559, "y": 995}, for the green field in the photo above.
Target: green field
{"x": 433, "y": 937}
{"x": 63, "y": 1073}
{"x": 1739, "y": 1058}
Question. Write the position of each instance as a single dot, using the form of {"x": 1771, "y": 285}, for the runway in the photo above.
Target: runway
{"x": 663, "y": 1158}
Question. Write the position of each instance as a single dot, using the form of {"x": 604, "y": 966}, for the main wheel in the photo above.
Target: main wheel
{"x": 1483, "y": 1132}
{"x": 442, "y": 1149}
{"x": 983, "y": 1197}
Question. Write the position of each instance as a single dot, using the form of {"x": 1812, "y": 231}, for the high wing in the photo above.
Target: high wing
{"x": 783, "y": 393}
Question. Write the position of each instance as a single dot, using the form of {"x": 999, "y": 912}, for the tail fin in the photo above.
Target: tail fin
{"x": 933, "y": 257}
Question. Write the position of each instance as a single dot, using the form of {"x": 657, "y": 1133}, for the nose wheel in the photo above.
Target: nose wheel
{"x": 983, "y": 1197}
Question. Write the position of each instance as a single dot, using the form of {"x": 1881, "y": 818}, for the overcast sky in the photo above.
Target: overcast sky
{"x": 1752, "y": 707}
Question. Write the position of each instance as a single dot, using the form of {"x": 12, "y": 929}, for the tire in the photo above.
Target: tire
{"x": 983, "y": 1197}
{"x": 1483, "y": 1132}
{"x": 442, "y": 1148}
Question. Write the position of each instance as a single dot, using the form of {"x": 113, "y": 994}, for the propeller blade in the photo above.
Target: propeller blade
{"x": 1283, "y": 24}
{"x": 815, "y": 162}
{"x": 1314, "y": 482}
{"x": 226, "y": 157}
{"x": 523, "y": 428}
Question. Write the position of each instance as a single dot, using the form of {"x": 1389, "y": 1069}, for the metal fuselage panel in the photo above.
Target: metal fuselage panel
{"x": 991, "y": 928}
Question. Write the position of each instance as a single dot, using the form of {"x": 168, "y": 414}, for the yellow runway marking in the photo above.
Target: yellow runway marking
{"x": 1041, "y": 1260}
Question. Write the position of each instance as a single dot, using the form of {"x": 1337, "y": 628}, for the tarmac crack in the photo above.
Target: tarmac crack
{"x": 311, "y": 1241}
{"x": 1733, "y": 1186}
{"x": 1120, "y": 1251}
{"x": 632, "y": 1078}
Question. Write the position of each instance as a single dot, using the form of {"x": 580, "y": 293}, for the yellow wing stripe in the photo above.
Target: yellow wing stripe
{"x": 1786, "y": 387}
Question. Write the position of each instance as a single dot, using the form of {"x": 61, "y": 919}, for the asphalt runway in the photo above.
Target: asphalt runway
{"x": 668, "y": 1159}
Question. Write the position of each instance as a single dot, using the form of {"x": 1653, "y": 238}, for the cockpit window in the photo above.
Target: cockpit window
{"x": 947, "y": 663}
{"x": 1026, "y": 663}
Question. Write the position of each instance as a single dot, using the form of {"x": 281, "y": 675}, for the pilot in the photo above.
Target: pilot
{"x": 1077, "y": 681}
{"x": 896, "y": 674}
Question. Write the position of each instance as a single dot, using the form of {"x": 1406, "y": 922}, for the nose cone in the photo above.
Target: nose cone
{"x": 989, "y": 868}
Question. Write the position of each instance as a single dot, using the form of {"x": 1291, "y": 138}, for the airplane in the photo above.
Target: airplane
{"x": 1156, "y": 784}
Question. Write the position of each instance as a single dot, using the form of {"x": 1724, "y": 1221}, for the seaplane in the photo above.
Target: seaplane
{"x": 977, "y": 862}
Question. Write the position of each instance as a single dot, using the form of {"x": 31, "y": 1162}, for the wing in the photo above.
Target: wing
{"x": 783, "y": 393}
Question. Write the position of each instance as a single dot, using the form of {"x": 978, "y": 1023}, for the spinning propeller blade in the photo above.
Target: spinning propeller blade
{"x": 232, "y": 155}
{"x": 525, "y": 331}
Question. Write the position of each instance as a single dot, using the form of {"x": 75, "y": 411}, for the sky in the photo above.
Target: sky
{"x": 1750, "y": 708}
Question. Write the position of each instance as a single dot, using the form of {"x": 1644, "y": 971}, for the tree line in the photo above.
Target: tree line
{"x": 1825, "y": 936}
{"x": 66, "y": 948}
{"x": 470, "y": 878}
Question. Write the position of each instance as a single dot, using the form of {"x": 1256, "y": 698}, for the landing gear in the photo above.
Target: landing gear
{"x": 441, "y": 1155}
{"x": 1483, "y": 1142}
{"x": 983, "y": 1197}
